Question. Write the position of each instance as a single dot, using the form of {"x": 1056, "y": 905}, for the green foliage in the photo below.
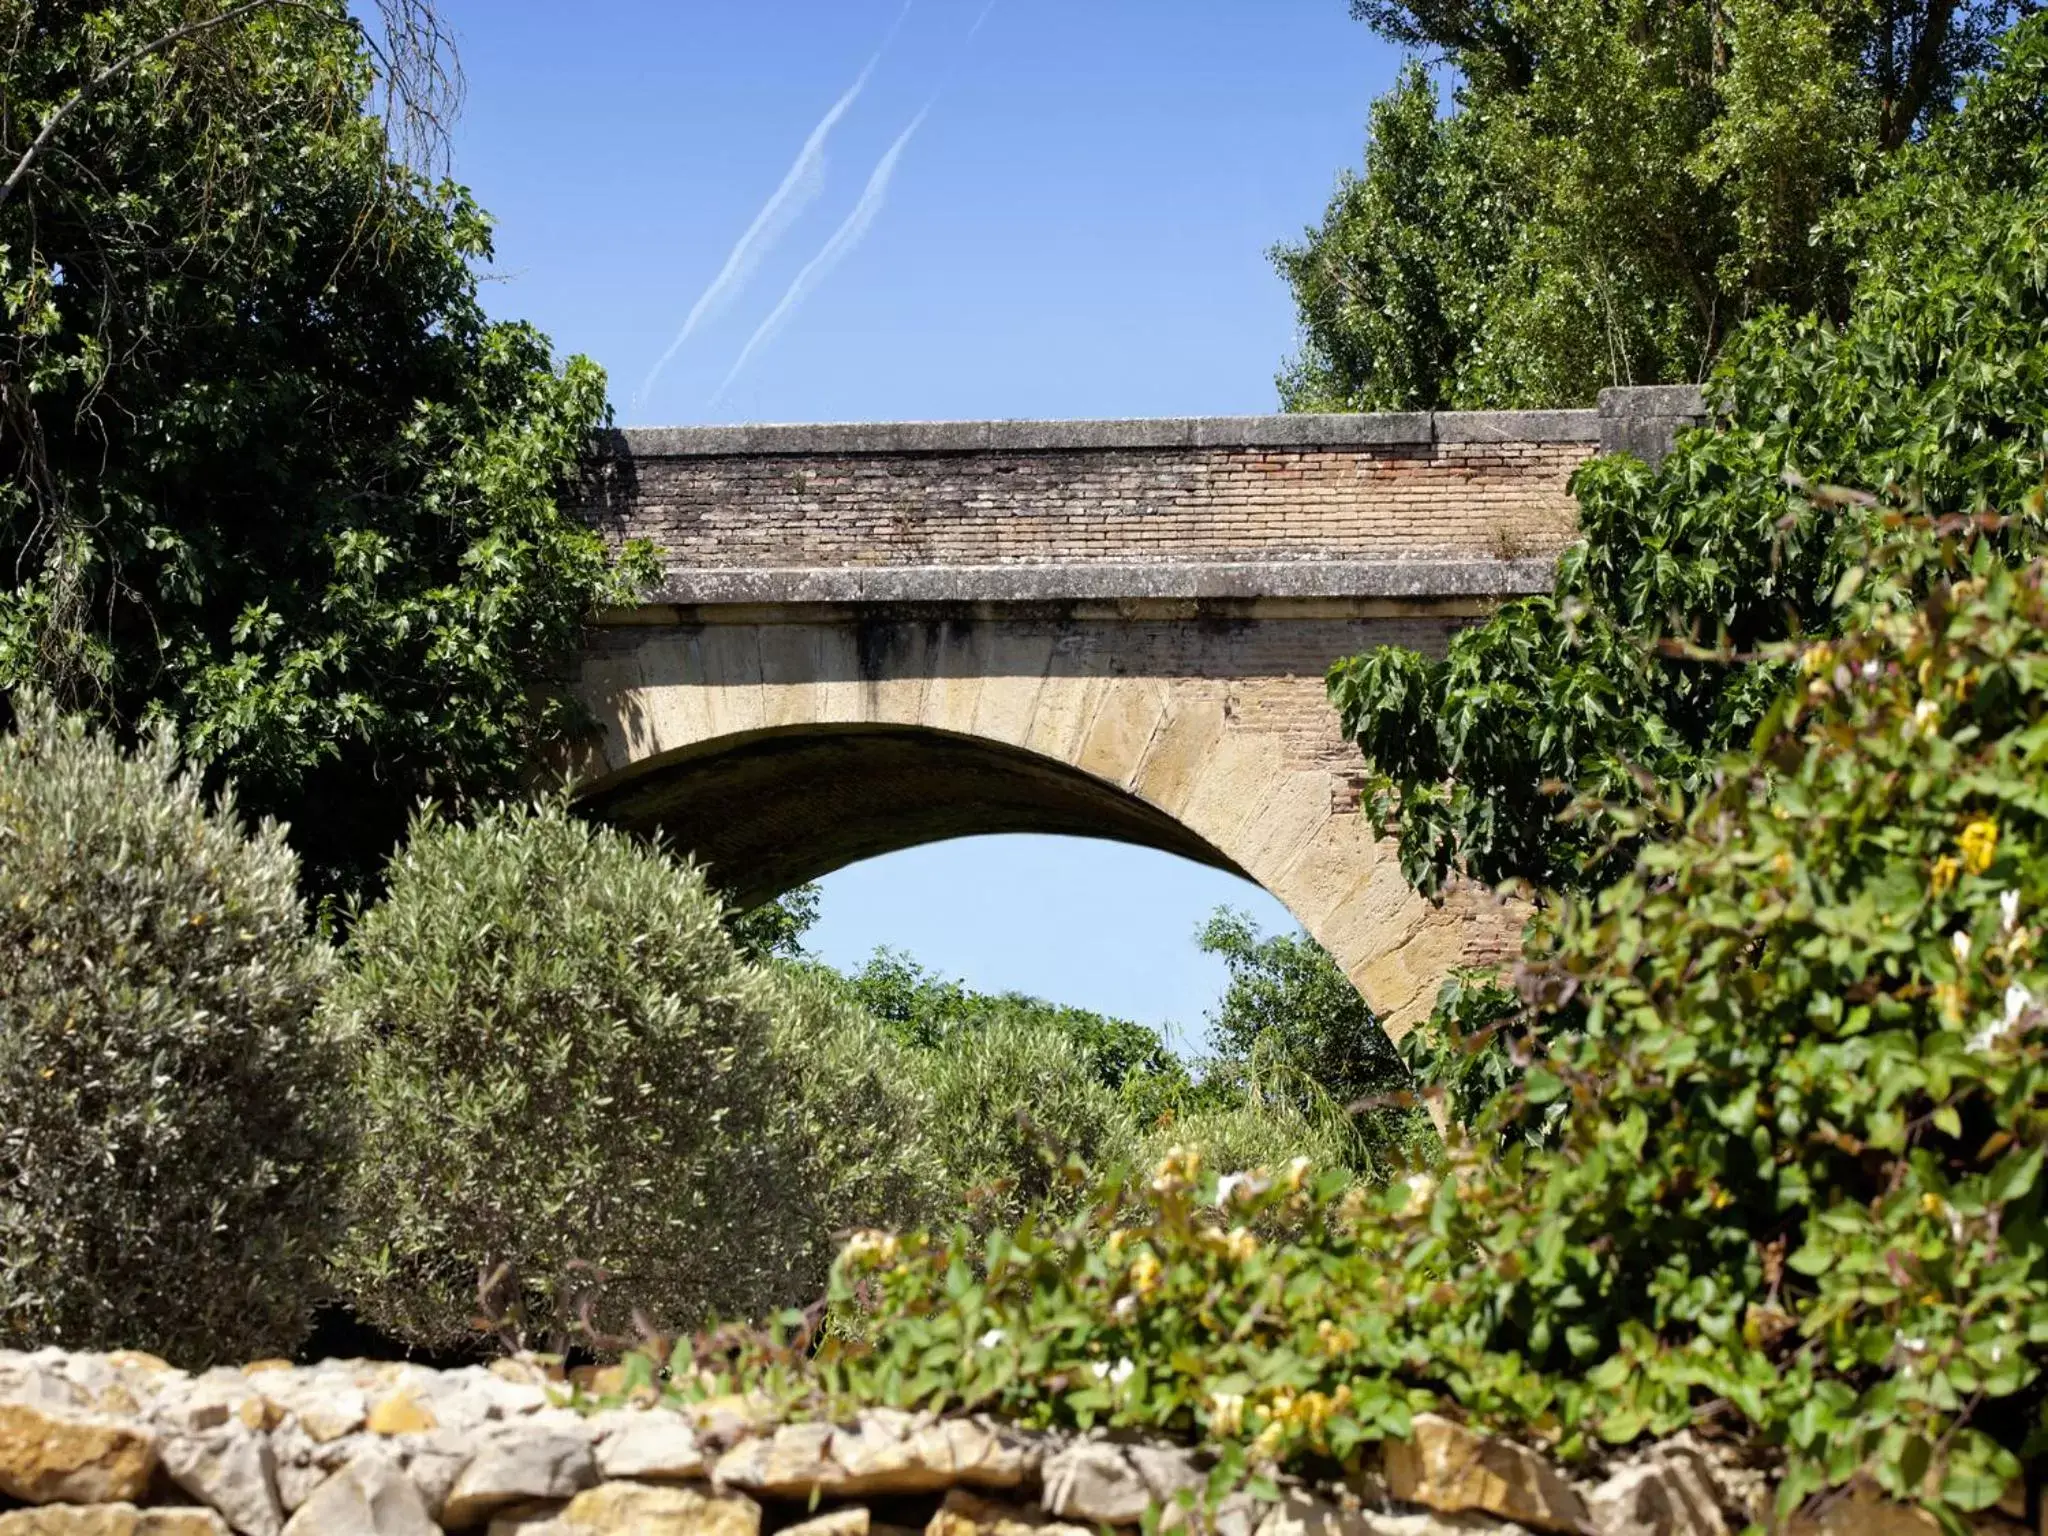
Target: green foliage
{"x": 1617, "y": 189}
{"x": 1238, "y": 1127}
{"x": 571, "y": 1091}
{"x": 1296, "y": 1034}
{"x": 1015, "y": 1108}
{"x": 853, "y": 1100}
{"x": 172, "y": 1123}
{"x": 1624, "y": 686}
{"x": 775, "y": 930}
{"x": 923, "y": 1009}
{"x": 271, "y": 473}
{"x": 1794, "y": 1065}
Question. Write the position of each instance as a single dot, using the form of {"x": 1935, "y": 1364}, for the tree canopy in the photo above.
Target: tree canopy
{"x": 271, "y": 472}
{"x": 1536, "y": 749}
{"x": 1619, "y": 185}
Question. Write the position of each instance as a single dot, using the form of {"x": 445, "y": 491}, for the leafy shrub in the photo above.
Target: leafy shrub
{"x": 570, "y": 1088}
{"x": 853, "y": 1103}
{"x": 1245, "y": 1132}
{"x": 1012, "y": 1103}
{"x": 1794, "y": 1073}
{"x": 172, "y": 1123}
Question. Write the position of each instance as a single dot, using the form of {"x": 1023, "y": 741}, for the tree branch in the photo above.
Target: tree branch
{"x": 127, "y": 61}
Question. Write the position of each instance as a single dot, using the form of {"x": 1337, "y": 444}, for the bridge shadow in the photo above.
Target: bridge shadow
{"x": 769, "y": 810}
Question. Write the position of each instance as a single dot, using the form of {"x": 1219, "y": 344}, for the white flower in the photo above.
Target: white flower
{"x": 1869, "y": 670}
{"x": 1421, "y": 1191}
{"x": 2017, "y": 1001}
{"x": 1229, "y": 1185}
{"x": 1116, "y": 1375}
{"x": 1925, "y": 713}
{"x": 1960, "y": 942}
{"x": 1126, "y": 1307}
{"x": 990, "y": 1339}
{"x": 2009, "y": 909}
{"x": 1910, "y": 1346}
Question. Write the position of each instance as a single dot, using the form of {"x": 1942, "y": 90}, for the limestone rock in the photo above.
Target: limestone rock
{"x": 1448, "y": 1467}
{"x": 1100, "y": 1482}
{"x": 790, "y": 1463}
{"x": 969, "y": 1514}
{"x": 328, "y": 1413}
{"x": 232, "y": 1470}
{"x": 110, "y": 1520}
{"x": 1303, "y": 1514}
{"x": 854, "y": 1520}
{"x": 724, "y": 1421}
{"x": 49, "y": 1458}
{"x": 888, "y": 1452}
{"x": 637, "y": 1509}
{"x": 657, "y": 1446}
{"x": 301, "y": 1464}
{"x": 1864, "y": 1511}
{"x": 518, "y": 1464}
{"x": 368, "y": 1497}
{"x": 1668, "y": 1494}
{"x": 434, "y": 1461}
{"x": 400, "y": 1413}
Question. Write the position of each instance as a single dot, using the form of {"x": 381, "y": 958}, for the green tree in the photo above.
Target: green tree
{"x": 175, "y": 1128}
{"x": 1291, "y": 1030}
{"x": 271, "y": 473}
{"x": 923, "y": 1009}
{"x": 1547, "y": 739}
{"x": 1618, "y": 187}
{"x": 1019, "y": 1116}
{"x": 775, "y": 930}
{"x": 575, "y": 1092}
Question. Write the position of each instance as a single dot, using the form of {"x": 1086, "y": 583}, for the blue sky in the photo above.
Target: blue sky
{"x": 1075, "y": 225}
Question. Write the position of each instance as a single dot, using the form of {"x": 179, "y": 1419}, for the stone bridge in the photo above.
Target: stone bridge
{"x": 871, "y": 637}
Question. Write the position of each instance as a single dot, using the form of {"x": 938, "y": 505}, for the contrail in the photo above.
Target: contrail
{"x": 844, "y": 239}
{"x": 986, "y": 12}
{"x": 803, "y": 181}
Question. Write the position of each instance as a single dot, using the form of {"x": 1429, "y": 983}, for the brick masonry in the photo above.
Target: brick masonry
{"x": 874, "y": 636}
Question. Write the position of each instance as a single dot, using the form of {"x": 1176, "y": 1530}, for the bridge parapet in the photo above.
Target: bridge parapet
{"x": 1402, "y": 505}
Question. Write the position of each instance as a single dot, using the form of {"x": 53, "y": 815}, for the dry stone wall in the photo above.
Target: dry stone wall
{"x": 125, "y": 1445}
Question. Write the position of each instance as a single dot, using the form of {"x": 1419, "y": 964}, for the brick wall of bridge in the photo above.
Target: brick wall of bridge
{"x": 1144, "y": 505}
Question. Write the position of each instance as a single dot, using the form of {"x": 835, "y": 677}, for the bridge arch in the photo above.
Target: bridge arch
{"x": 873, "y": 635}
{"x": 778, "y": 747}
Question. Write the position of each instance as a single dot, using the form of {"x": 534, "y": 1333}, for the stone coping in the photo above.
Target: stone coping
{"x": 1021, "y": 583}
{"x": 1394, "y": 429}
{"x": 125, "y": 1445}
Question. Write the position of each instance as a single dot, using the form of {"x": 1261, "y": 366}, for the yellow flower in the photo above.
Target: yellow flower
{"x": 1336, "y": 1340}
{"x": 872, "y": 1248}
{"x": 1817, "y": 659}
{"x": 1240, "y": 1244}
{"x": 1144, "y": 1274}
{"x": 1310, "y": 1411}
{"x": 1943, "y": 875}
{"x": 1979, "y": 844}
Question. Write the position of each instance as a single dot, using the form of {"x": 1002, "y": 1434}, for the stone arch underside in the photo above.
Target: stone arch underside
{"x": 771, "y": 809}
{"x": 777, "y": 747}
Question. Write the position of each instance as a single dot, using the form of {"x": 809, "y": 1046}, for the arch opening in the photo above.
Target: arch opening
{"x": 768, "y": 810}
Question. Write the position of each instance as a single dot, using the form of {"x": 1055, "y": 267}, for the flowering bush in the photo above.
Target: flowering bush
{"x": 1793, "y": 1097}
